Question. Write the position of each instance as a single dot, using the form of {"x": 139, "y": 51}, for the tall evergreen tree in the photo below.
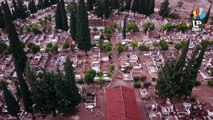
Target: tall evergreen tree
{"x": 99, "y": 8}
{"x": 40, "y": 4}
{"x": 107, "y": 9}
{"x": 150, "y": 7}
{"x": 32, "y": 6}
{"x": 135, "y": 6}
{"x": 73, "y": 20}
{"x": 124, "y": 27}
{"x": 164, "y": 9}
{"x": 70, "y": 77}
{"x": 46, "y": 3}
{"x": 83, "y": 32}
{"x": 167, "y": 85}
{"x": 127, "y": 5}
{"x": 90, "y": 4}
{"x": 58, "y": 19}
{"x": 115, "y": 4}
{"x": 2, "y": 23}
{"x": 19, "y": 57}
{"x": 21, "y": 11}
{"x": 207, "y": 15}
{"x": 63, "y": 16}
{"x": 53, "y": 2}
{"x": 11, "y": 103}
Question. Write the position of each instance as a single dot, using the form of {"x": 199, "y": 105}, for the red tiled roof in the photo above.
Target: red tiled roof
{"x": 121, "y": 104}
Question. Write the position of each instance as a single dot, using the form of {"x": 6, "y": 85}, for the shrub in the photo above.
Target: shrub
{"x": 147, "y": 84}
{"x": 95, "y": 29}
{"x": 66, "y": 46}
{"x": 197, "y": 83}
{"x": 174, "y": 16}
{"x": 182, "y": 26}
{"x": 3, "y": 47}
{"x": 148, "y": 26}
{"x": 168, "y": 27}
{"x": 132, "y": 27}
{"x": 111, "y": 67}
{"x": 210, "y": 83}
{"x": 136, "y": 79}
{"x": 108, "y": 30}
{"x": 143, "y": 47}
{"x": 137, "y": 84}
{"x": 80, "y": 82}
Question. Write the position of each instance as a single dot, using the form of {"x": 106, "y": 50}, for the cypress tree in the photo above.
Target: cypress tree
{"x": 207, "y": 15}
{"x": 73, "y": 20}
{"x": 115, "y": 4}
{"x": 2, "y": 23}
{"x": 128, "y": 5}
{"x": 83, "y": 32}
{"x": 70, "y": 77}
{"x": 58, "y": 19}
{"x": 150, "y": 7}
{"x": 90, "y": 5}
{"x": 181, "y": 61}
{"x": 40, "y": 4}
{"x": 135, "y": 6}
{"x": 99, "y": 8}
{"x": 124, "y": 27}
{"x": 63, "y": 16}
{"x": 19, "y": 58}
{"x": 46, "y": 3}
{"x": 12, "y": 105}
{"x": 164, "y": 9}
{"x": 32, "y": 6}
{"x": 53, "y": 2}
{"x": 107, "y": 9}
{"x": 21, "y": 11}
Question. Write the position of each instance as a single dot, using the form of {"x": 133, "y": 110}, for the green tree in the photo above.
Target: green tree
{"x": 21, "y": 10}
{"x": 73, "y": 20}
{"x": 40, "y": 4}
{"x": 124, "y": 27}
{"x": 53, "y": 2}
{"x": 135, "y": 6}
{"x": 58, "y": 17}
{"x": 32, "y": 6}
{"x": 72, "y": 89}
{"x": 89, "y": 77}
{"x": 164, "y": 45}
{"x": 134, "y": 43}
{"x": 143, "y": 47}
{"x": 148, "y": 26}
{"x": 119, "y": 47}
{"x": 115, "y": 4}
{"x": 182, "y": 27}
{"x": 168, "y": 27}
{"x": 46, "y": 3}
{"x": 167, "y": 85}
{"x": 63, "y": 16}
{"x": 3, "y": 47}
{"x": 11, "y": 103}
{"x": 90, "y": 4}
{"x": 19, "y": 58}
{"x": 2, "y": 23}
{"x": 164, "y": 9}
{"x": 102, "y": 81}
{"x": 207, "y": 15}
{"x": 83, "y": 32}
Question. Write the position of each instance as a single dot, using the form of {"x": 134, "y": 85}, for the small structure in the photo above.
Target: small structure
{"x": 121, "y": 104}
